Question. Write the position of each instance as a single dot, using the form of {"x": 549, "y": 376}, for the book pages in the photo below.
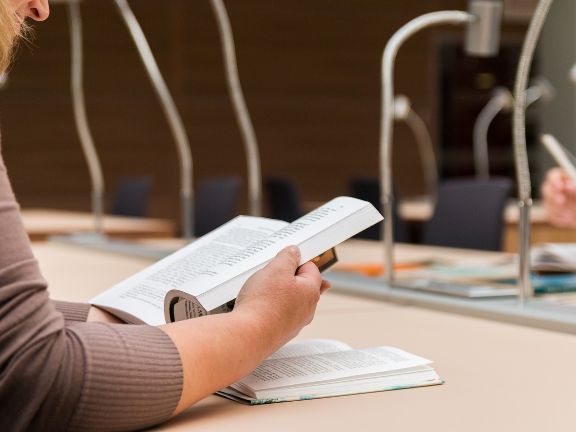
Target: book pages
{"x": 142, "y": 295}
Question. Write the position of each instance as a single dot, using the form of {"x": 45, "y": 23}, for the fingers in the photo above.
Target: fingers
{"x": 309, "y": 272}
{"x": 553, "y": 195}
{"x": 570, "y": 187}
{"x": 559, "y": 180}
{"x": 555, "y": 184}
{"x": 558, "y": 188}
{"x": 326, "y": 285}
{"x": 562, "y": 218}
{"x": 559, "y": 193}
{"x": 556, "y": 177}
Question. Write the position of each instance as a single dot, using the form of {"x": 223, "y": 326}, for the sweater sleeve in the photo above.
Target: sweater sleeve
{"x": 57, "y": 374}
{"x": 72, "y": 312}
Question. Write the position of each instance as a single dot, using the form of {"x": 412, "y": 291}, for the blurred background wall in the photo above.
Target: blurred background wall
{"x": 310, "y": 73}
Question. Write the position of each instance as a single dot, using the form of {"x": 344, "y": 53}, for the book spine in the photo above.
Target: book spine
{"x": 179, "y": 306}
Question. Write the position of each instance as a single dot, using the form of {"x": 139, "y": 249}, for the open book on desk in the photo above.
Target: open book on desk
{"x": 206, "y": 276}
{"x": 321, "y": 368}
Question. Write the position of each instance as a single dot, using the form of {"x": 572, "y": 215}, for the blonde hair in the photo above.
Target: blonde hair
{"x": 9, "y": 32}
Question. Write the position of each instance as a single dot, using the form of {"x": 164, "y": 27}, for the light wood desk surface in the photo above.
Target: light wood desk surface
{"x": 499, "y": 377}
{"x": 43, "y": 223}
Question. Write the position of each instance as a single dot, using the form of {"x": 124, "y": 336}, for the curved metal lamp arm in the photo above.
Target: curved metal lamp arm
{"x": 501, "y": 101}
{"x": 520, "y": 150}
{"x": 540, "y": 90}
{"x": 80, "y": 117}
{"x": 424, "y": 140}
{"x": 403, "y": 111}
{"x": 170, "y": 111}
{"x": 387, "y": 112}
{"x": 240, "y": 109}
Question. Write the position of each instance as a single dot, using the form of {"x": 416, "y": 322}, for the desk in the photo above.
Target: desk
{"x": 43, "y": 223}
{"x": 420, "y": 210}
{"x": 499, "y": 377}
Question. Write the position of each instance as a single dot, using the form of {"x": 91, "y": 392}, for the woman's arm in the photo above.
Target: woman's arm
{"x": 72, "y": 311}
{"x": 60, "y": 375}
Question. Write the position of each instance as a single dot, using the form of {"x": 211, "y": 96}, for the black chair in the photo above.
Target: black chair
{"x": 368, "y": 189}
{"x": 131, "y": 196}
{"x": 469, "y": 214}
{"x": 216, "y": 203}
{"x": 283, "y": 200}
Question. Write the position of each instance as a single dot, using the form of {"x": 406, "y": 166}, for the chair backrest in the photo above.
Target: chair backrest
{"x": 469, "y": 214}
{"x": 216, "y": 202}
{"x": 368, "y": 189}
{"x": 283, "y": 200}
{"x": 131, "y": 196}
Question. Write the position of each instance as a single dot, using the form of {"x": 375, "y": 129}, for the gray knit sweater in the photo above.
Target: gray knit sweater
{"x": 60, "y": 373}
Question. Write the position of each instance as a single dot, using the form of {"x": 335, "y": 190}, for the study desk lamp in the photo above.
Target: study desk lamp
{"x": 520, "y": 149}
{"x": 172, "y": 116}
{"x": 240, "y": 109}
{"x": 80, "y": 117}
{"x": 483, "y": 38}
{"x": 502, "y": 101}
{"x": 404, "y": 112}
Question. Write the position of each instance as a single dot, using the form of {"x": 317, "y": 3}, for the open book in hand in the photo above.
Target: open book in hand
{"x": 325, "y": 368}
{"x": 206, "y": 276}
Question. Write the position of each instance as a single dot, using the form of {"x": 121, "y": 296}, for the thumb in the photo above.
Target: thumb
{"x": 287, "y": 260}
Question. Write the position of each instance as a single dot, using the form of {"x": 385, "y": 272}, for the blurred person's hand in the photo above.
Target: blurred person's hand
{"x": 559, "y": 194}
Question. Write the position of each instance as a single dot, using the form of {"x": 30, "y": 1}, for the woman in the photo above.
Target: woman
{"x": 59, "y": 372}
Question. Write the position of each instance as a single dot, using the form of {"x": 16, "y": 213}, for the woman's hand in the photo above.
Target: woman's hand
{"x": 282, "y": 297}
{"x": 559, "y": 194}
